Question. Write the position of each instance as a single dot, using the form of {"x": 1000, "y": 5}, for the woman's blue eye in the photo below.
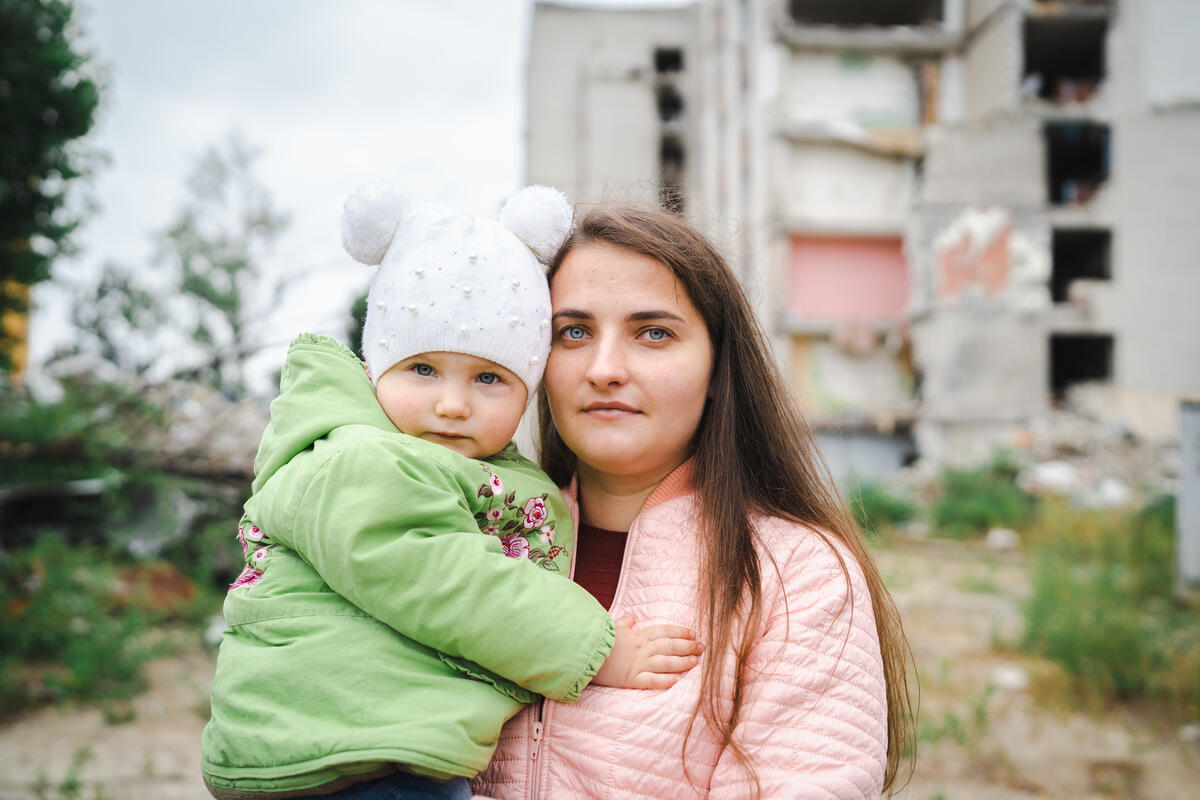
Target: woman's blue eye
{"x": 573, "y": 332}
{"x": 489, "y": 378}
{"x": 656, "y": 334}
{"x": 423, "y": 369}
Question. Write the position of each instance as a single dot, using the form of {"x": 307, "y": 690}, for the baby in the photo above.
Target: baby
{"x": 405, "y": 589}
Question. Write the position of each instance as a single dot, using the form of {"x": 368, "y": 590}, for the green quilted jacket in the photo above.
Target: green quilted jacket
{"x": 399, "y": 602}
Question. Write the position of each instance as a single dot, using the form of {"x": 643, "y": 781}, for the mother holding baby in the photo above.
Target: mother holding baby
{"x": 701, "y": 501}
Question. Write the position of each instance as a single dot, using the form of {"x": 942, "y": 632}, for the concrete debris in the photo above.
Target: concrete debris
{"x": 1003, "y": 539}
{"x": 1153, "y": 416}
{"x": 1010, "y": 678}
{"x": 1050, "y": 477}
{"x": 1096, "y": 463}
{"x": 1112, "y": 493}
{"x": 209, "y": 433}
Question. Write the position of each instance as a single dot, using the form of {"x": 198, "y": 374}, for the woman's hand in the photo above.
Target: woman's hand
{"x": 654, "y": 657}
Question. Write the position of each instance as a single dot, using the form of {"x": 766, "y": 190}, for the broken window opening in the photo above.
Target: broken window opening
{"x": 668, "y": 59}
{"x": 1078, "y": 253}
{"x": 671, "y": 162}
{"x": 670, "y": 102}
{"x": 866, "y": 12}
{"x": 1077, "y": 358}
{"x": 1077, "y": 160}
{"x": 1064, "y": 57}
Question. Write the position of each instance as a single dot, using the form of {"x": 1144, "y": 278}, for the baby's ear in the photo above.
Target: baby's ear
{"x": 370, "y": 217}
{"x": 540, "y": 216}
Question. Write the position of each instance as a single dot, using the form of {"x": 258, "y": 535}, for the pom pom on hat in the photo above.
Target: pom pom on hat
{"x": 540, "y": 216}
{"x": 370, "y": 217}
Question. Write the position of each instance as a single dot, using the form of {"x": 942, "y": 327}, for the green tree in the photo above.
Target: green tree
{"x": 198, "y": 314}
{"x": 215, "y": 246}
{"x": 47, "y": 101}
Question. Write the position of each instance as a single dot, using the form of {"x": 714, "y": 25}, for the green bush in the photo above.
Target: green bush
{"x": 877, "y": 509}
{"x": 1101, "y": 606}
{"x": 63, "y": 636}
{"x": 970, "y": 501}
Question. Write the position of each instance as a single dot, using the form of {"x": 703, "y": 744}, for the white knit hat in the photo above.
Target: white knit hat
{"x": 450, "y": 282}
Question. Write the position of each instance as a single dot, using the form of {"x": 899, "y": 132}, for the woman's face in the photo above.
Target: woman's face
{"x": 629, "y": 369}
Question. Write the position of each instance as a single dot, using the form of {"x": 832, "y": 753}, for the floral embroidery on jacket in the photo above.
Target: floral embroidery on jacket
{"x": 256, "y": 560}
{"x": 528, "y": 518}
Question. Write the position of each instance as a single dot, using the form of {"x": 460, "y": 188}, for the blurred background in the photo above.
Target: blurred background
{"x": 969, "y": 228}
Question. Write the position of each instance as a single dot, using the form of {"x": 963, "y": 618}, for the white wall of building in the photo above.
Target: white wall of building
{"x": 863, "y": 90}
{"x": 593, "y": 128}
{"x": 837, "y": 187}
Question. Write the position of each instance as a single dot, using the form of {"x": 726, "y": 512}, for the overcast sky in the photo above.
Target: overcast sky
{"x": 428, "y": 94}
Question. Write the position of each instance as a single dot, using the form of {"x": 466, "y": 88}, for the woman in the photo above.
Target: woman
{"x": 695, "y": 482}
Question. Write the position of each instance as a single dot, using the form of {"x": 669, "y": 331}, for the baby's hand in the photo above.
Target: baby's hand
{"x": 654, "y": 657}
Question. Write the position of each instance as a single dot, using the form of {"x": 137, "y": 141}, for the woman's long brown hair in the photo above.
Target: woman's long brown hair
{"x": 753, "y": 450}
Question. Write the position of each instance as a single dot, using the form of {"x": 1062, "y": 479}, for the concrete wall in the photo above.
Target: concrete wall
{"x": 993, "y": 61}
{"x": 1000, "y": 162}
{"x": 1170, "y": 67}
{"x": 592, "y": 126}
{"x": 984, "y": 367}
{"x": 837, "y": 376}
{"x": 1156, "y": 248}
{"x": 872, "y": 92}
{"x": 842, "y": 187}
{"x": 856, "y": 456}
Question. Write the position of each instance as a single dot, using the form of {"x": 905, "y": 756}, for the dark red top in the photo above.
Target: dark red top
{"x": 598, "y": 557}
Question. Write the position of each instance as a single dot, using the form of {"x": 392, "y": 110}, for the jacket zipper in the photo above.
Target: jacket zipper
{"x": 534, "y": 767}
{"x": 545, "y": 707}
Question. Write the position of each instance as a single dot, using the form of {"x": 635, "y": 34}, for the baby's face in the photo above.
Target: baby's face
{"x": 468, "y": 404}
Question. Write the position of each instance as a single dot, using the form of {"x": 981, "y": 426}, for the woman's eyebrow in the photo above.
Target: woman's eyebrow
{"x": 642, "y": 316}
{"x": 636, "y": 316}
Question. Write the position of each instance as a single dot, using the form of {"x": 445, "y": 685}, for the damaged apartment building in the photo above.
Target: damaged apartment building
{"x": 953, "y": 216}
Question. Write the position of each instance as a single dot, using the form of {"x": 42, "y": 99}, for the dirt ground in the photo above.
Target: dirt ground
{"x": 992, "y": 725}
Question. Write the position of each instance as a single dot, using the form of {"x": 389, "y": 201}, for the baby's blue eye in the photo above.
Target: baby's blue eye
{"x": 489, "y": 378}
{"x": 423, "y": 370}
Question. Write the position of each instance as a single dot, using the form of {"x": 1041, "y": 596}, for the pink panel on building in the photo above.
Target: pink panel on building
{"x": 843, "y": 277}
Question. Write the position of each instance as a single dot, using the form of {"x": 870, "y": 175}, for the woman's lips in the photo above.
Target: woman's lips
{"x": 609, "y": 410}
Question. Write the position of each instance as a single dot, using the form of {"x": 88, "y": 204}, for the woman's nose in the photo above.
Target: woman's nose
{"x": 608, "y": 366}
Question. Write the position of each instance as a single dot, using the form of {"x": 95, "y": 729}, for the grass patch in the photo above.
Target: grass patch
{"x": 877, "y": 509}
{"x": 976, "y": 583}
{"x": 970, "y": 501}
{"x": 70, "y": 631}
{"x": 1102, "y": 609}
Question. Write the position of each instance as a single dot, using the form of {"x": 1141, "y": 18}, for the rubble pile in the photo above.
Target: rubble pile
{"x": 1098, "y": 464}
{"x": 208, "y": 433}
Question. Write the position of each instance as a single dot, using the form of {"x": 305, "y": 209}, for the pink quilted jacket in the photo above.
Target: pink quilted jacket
{"x": 814, "y": 717}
